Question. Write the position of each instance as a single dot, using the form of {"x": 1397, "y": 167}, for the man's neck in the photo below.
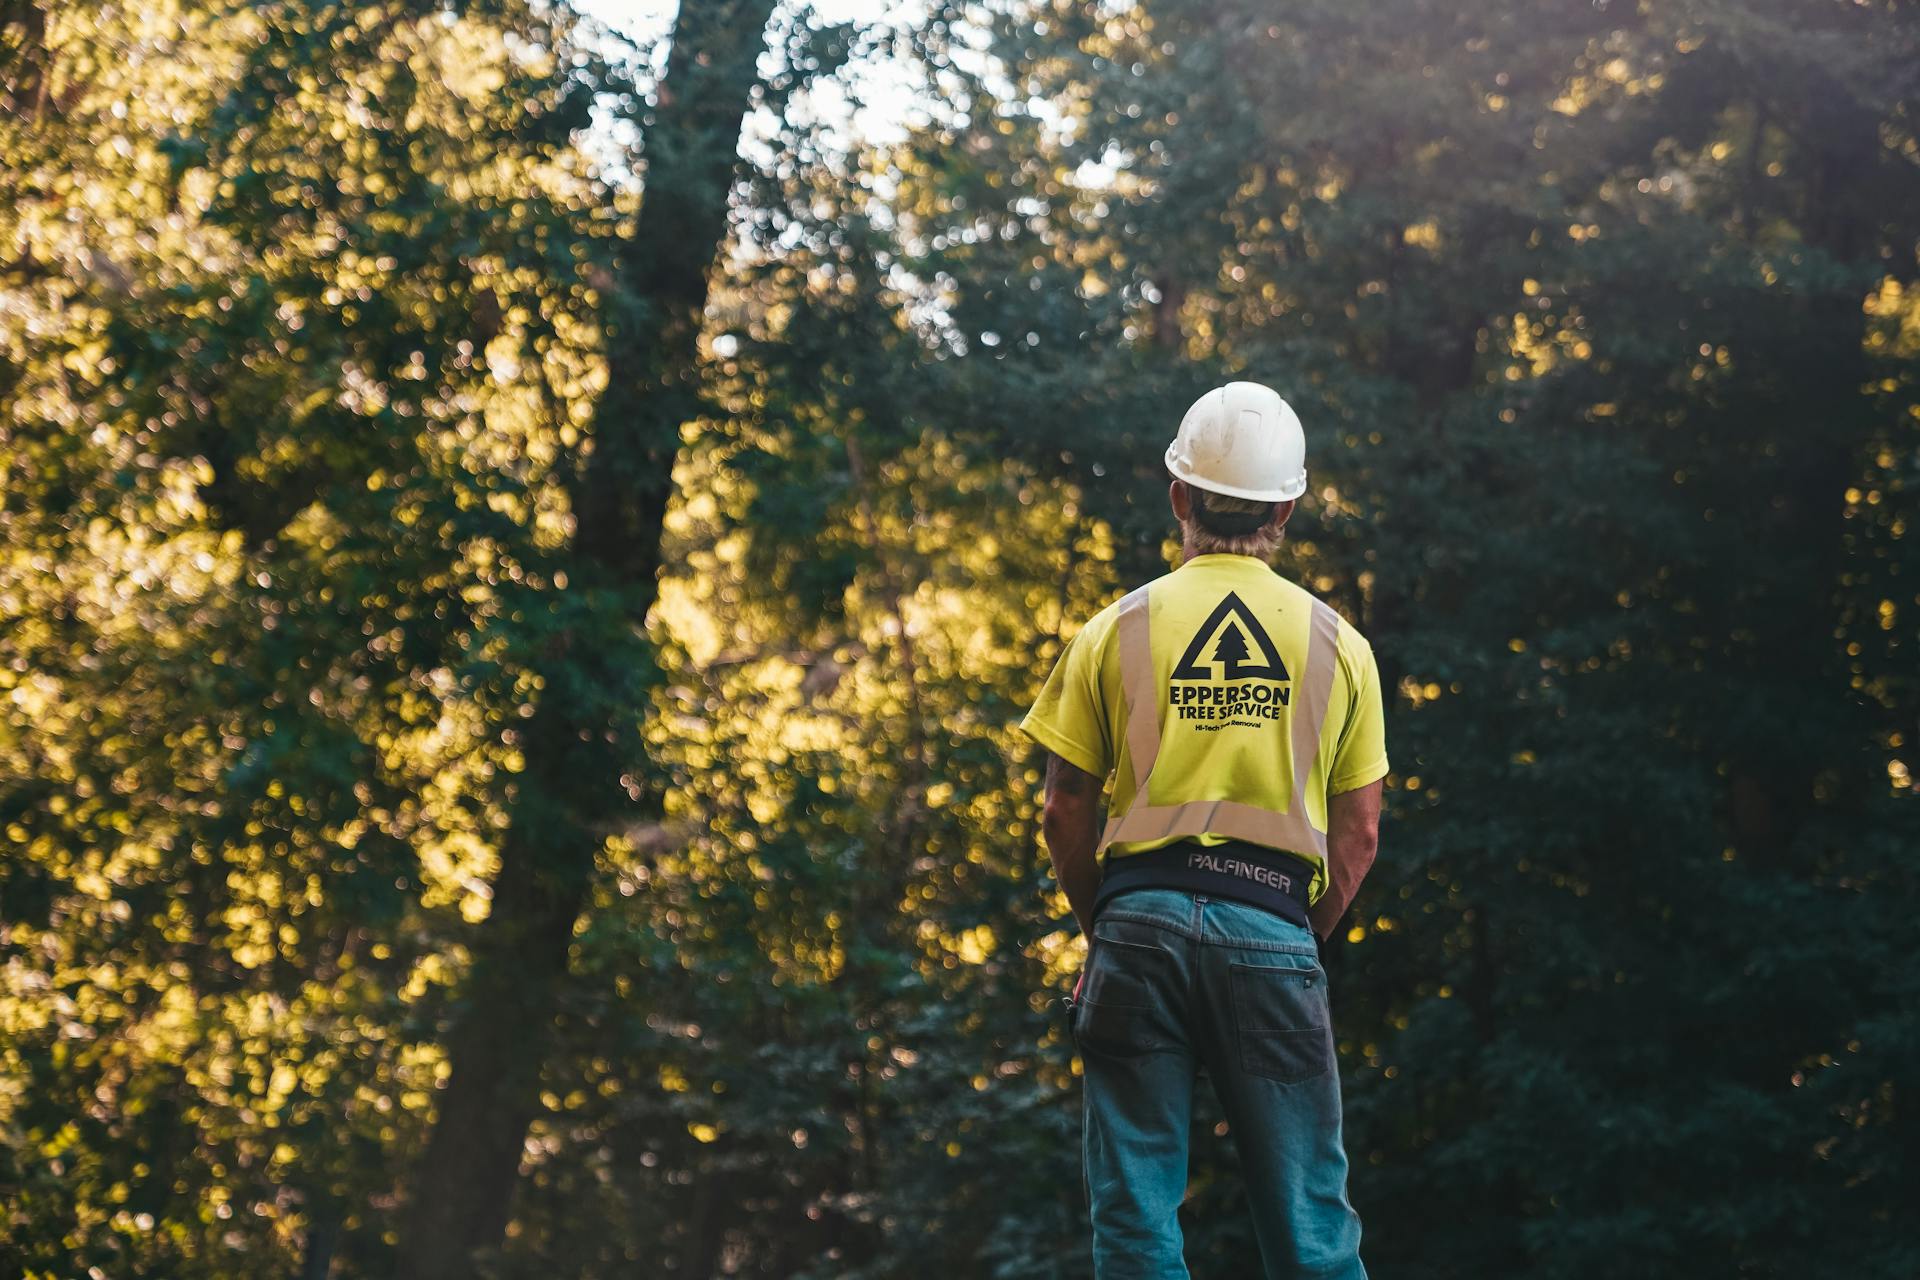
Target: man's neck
{"x": 1188, "y": 552}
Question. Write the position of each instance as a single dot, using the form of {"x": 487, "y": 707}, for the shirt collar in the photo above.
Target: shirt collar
{"x": 1227, "y": 558}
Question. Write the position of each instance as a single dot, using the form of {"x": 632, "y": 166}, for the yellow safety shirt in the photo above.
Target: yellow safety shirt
{"x": 1259, "y": 702}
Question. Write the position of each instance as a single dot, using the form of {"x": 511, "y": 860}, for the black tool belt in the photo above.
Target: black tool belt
{"x": 1249, "y": 873}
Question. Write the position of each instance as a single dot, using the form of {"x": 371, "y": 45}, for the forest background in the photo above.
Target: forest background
{"x": 526, "y": 532}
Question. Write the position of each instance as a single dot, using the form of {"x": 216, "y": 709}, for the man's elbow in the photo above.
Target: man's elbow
{"x": 1071, "y": 794}
{"x": 1065, "y": 806}
{"x": 1354, "y": 833}
{"x": 1064, "y": 817}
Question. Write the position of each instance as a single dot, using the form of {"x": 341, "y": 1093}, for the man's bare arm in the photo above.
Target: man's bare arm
{"x": 1353, "y": 836}
{"x": 1071, "y": 824}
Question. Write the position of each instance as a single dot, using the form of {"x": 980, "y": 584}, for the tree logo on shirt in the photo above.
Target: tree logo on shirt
{"x": 1233, "y": 623}
{"x": 1241, "y": 650}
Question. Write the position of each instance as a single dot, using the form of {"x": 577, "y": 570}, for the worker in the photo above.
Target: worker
{"x": 1241, "y": 718}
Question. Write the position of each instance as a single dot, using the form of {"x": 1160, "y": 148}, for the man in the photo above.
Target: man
{"x": 1243, "y": 719}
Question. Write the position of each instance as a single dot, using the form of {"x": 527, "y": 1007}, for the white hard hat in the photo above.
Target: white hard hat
{"x": 1244, "y": 441}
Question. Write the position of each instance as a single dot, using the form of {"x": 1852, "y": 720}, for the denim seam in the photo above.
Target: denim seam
{"x": 1159, "y": 922}
{"x": 1252, "y": 944}
{"x": 1208, "y": 937}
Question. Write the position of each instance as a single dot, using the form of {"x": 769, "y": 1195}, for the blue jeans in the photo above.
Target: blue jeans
{"x": 1177, "y": 982}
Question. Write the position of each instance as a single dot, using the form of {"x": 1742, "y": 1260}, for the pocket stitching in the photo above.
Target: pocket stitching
{"x": 1321, "y": 1063}
{"x": 1307, "y": 976}
{"x": 1092, "y": 959}
{"x": 1251, "y": 1038}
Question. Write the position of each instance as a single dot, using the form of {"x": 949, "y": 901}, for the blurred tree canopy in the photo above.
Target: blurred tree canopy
{"x": 520, "y": 557}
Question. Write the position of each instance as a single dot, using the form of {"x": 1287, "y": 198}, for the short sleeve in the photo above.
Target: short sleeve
{"x": 1070, "y": 716}
{"x": 1360, "y": 757}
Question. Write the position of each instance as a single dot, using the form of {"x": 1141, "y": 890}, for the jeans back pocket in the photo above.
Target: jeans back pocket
{"x": 1280, "y": 1020}
{"x": 1127, "y": 1007}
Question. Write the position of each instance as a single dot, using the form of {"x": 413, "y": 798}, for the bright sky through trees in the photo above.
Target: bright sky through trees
{"x": 884, "y": 101}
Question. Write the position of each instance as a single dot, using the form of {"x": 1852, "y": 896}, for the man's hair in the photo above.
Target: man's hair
{"x": 1236, "y": 526}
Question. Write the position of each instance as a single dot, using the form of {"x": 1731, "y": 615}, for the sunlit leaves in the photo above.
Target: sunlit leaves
{"x": 280, "y": 437}
{"x": 1602, "y": 326}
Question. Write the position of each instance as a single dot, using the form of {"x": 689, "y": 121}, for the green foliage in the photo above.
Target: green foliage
{"x": 1605, "y": 330}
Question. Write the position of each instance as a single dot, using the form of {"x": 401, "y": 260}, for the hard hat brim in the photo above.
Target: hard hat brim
{"x": 1184, "y": 474}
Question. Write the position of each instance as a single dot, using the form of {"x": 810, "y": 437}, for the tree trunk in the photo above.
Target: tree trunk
{"x": 323, "y": 1236}
{"x": 1801, "y": 513}
{"x": 23, "y": 62}
{"x": 569, "y": 792}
